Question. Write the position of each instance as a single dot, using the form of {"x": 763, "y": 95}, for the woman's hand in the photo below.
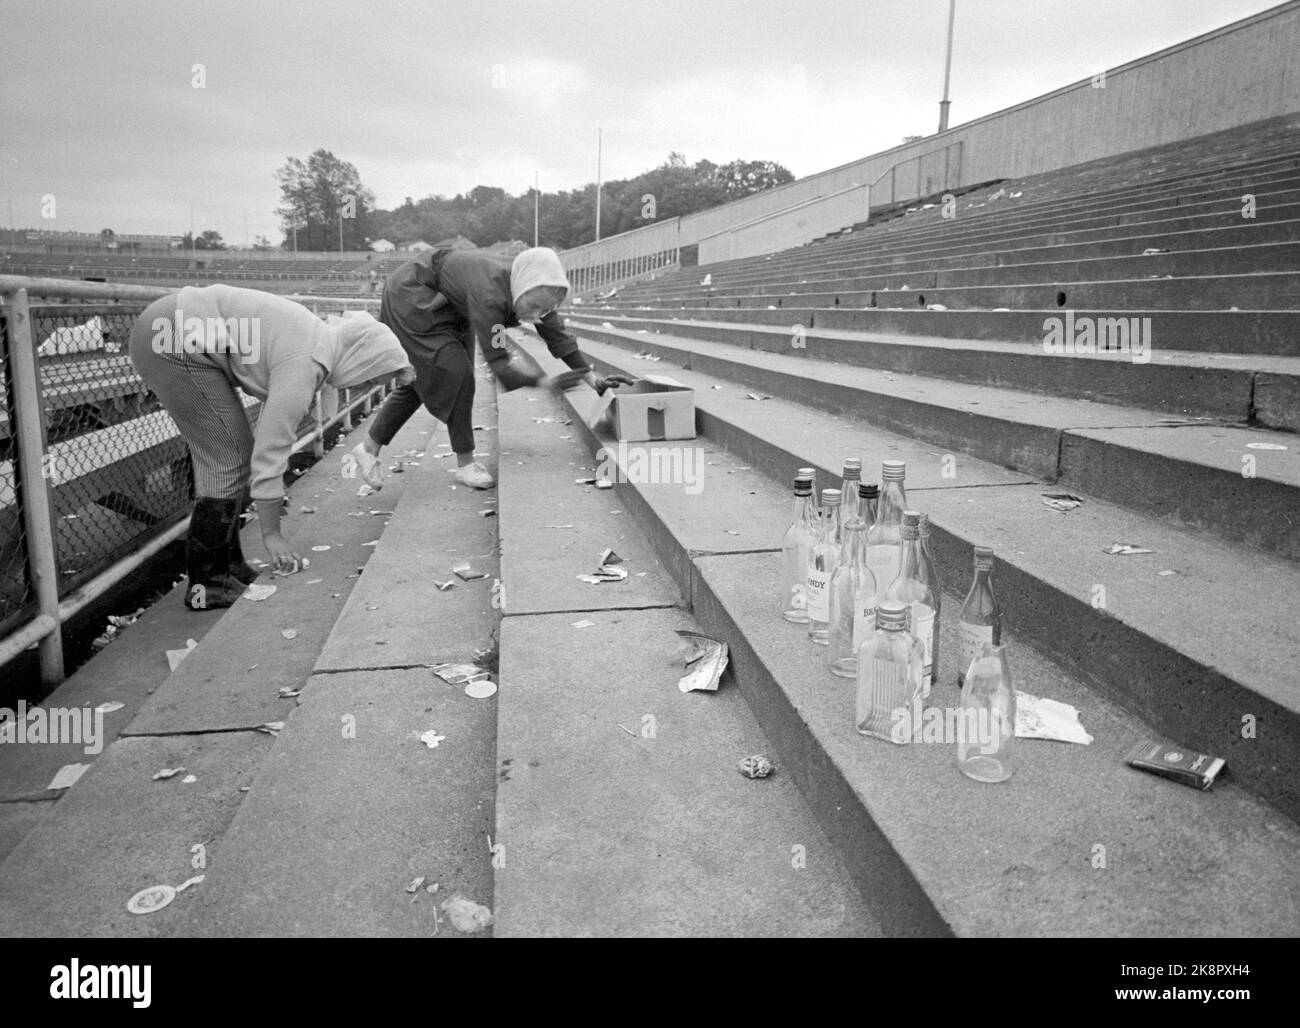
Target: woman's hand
{"x": 283, "y": 557}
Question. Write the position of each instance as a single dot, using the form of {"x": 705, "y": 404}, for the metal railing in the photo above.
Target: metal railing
{"x": 94, "y": 475}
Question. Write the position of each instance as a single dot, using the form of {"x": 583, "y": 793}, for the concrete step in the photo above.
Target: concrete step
{"x": 1193, "y": 474}
{"x": 1145, "y": 646}
{"x": 117, "y": 830}
{"x": 1221, "y": 332}
{"x": 1076, "y": 843}
{"x": 1224, "y": 387}
{"x": 620, "y": 811}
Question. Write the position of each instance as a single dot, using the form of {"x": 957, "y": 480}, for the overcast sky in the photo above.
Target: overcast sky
{"x": 98, "y": 104}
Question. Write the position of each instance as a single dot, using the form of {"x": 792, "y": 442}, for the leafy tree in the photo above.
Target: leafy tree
{"x": 321, "y": 196}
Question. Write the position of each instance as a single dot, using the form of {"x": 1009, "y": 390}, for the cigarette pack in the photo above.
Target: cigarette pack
{"x": 1169, "y": 760}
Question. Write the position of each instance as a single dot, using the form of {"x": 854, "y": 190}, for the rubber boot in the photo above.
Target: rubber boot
{"x": 238, "y": 567}
{"x": 207, "y": 555}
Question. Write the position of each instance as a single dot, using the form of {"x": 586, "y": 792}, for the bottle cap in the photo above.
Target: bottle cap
{"x": 984, "y": 557}
{"x": 893, "y": 470}
{"x": 831, "y": 497}
{"x": 802, "y": 486}
{"x": 892, "y": 616}
{"x": 869, "y": 491}
{"x": 809, "y": 473}
{"x": 853, "y": 468}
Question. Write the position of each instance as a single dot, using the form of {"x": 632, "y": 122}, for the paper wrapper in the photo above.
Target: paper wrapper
{"x": 705, "y": 660}
{"x": 1038, "y": 718}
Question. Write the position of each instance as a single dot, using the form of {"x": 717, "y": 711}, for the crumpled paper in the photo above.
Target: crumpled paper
{"x": 1041, "y": 718}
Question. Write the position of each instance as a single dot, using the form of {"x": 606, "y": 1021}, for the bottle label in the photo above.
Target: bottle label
{"x": 818, "y": 596}
{"x": 923, "y": 629}
{"x": 864, "y": 620}
{"x": 972, "y": 638}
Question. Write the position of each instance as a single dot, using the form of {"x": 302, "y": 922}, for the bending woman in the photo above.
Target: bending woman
{"x": 193, "y": 348}
{"x": 437, "y": 305}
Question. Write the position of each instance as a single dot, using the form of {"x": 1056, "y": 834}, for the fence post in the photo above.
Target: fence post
{"x": 318, "y": 416}
{"x": 38, "y": 522}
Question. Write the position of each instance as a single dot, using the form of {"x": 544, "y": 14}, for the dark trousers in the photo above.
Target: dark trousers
{"x": 445, "y": 386}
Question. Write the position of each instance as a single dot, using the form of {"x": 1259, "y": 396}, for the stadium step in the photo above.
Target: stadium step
{"x": 620, "y": 810}
{"x": 1262, "y": 389}
{"x": 1192, "y": 474}
{"x": 1076, "y": 843}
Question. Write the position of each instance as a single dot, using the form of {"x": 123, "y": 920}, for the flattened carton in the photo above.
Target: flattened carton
{"x": 656, "y": 407}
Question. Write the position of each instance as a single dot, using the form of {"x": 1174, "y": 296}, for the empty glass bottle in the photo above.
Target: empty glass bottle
{"x": 868, "y": 502}
{"x": 884, "y": 535}
{"x": 981, "y": 616}
{"x": 853, "y": 602}
{"x": 800, "y": 538}
{"x": 910, "y": 587}
{"x": 987, "y": 725}
{"x": 852, "y": 482}
{"x": 931, "y": 573}
{"x": 823, "y": 559}
{"x": 889, "y": 677}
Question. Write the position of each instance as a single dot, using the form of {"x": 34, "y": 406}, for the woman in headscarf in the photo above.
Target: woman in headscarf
{"x": 193, "y": 348}
{"x": 437, "y": 305}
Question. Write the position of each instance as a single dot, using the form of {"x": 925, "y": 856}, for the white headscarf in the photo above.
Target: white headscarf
{"x": 364, "y": 349}
{"x": 538, "y": 266}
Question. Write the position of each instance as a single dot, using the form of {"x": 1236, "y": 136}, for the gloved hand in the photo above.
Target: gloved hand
{"x": 603, "y": 385}
{"x": 514, "y": 376}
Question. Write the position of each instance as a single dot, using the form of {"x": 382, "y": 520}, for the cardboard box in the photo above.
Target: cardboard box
{"x": 655, "y": 408}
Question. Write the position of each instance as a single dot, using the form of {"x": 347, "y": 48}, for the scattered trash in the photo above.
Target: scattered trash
{"x": 1249, "y": 446}
{"x": 174, "y": 657}
{"x": 301, "y": 564}
{"x": 608, "y": 556}
{"x": 67, "y": 776}
{"x": 288, "y": 692}
{"x": 459, "y": 674}
{"x": 432, "y": 889}
{"x": 315, "y": 581}
{"x": 189, "y": 779}
{"x": 1152, "y": 250}
{"x": 628, "y": 730}
{"x": 125, "y": 620}
{"x": 110, "y": 706}
{"x": 757, "y": 766}
{"x": 935, "y": 307}
{"x": 320, "y": 549}
{"x": 365, "y": 490}
{"x": 604, "y": 573}
{"x": 466, "y": 915}
{"x": 356, "y": 513}
{"x": 1126, "y": 549}
{"x": 469, "y": 573}
{"x": 1061, "y": 501}
{"x": 257, "y": 593}
{"x": 1041, "y": 718}
{"x": 487, "y": 513}
{"x": 703, "y": 660}
{"x": 271, "y": 728}
{"x": 604, "y": 483}
{"x": 290, "y": 633}
{"x": 731, "y": 531}
{"x": 373, "y": 542}
{"x": 560, "y": 526}
{"x": 167, "y": 772}
{"x": 306, "y": 510}
{"x": 757, "y": 396}
{"x": 431, "y": 738}
{"x": 1169, "y": 760}
{"x": 444, "y": 586}
{"x": 1165, "y": 574}
{"x": 381, "y": 513}
{"x": 584, "y": 624}
{"x": 415, "y": 883}
{"x": 155, "y": 897}
{"x": 480, "y": 688}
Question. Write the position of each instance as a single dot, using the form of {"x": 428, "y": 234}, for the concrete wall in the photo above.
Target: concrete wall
{"x": 1243, "y": 72}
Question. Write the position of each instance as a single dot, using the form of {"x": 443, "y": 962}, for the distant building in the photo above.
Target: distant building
{"x": 456, "y": 243}
{"x": 382, "y": 246}
{"x": 419, "y": 246}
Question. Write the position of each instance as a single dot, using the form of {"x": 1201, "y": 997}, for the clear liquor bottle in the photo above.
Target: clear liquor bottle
{"x": 980, "y": 620}
{"x": 823, "y": 559}
{"x": 849, "y": 486}
{"x": 889, "y": 677}
{"x": 911, "y": 588}
{"x": 930, "y": 570}
{"x": 885, "y": 534}
{"x": 988, "y": 710}
{"x": 799, "y": 539}
{"x": 853, "y": 602}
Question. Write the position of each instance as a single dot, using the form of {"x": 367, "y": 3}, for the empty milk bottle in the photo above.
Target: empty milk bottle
{"x": 987, "y": 724}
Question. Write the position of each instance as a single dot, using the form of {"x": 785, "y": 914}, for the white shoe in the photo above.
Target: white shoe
{"x": 372, "y": 471}
{"x": 475, "y": 475}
